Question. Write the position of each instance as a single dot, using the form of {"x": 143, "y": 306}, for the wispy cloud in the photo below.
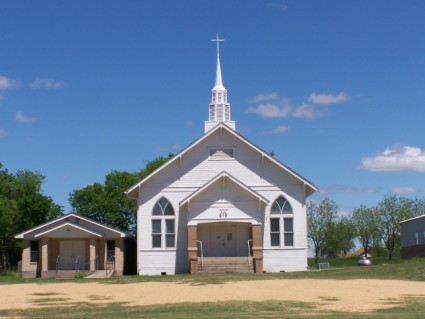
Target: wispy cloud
{"x": 40, "y": 83}
{"x": 305, "y": 111}
{"x": 404, "y": 190}
{"x": 275, "y": 107}
{"x": 22, "y": 118}
{"x": 278, "y": 130}
{"x": 3, "y": 133}
{"x": 271, "y": 110}
{"x": 326, "y": 99}
{"x": 348, "y": 190}
{"x": 262, "y": 97}
{"x": 7, "y": 84}
{"x": 396, "y": 158}
{"x": 279, "y": 6}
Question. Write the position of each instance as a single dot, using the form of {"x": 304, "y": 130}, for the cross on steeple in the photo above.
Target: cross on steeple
{"x": 217, "y": 40}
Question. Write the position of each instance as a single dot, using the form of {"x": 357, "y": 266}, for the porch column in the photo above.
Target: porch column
{"x": 44, "y": 254}
{"x": 93, "y": 253}
{"x": 119, "y": 256}
{"x": 257, "y": 247}
{"x": 26, "y": 255}
{"x": 192, "y": 248}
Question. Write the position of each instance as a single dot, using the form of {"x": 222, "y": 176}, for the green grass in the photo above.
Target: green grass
{"x": 407, "y": 308}
{"x": 341, "y": 269}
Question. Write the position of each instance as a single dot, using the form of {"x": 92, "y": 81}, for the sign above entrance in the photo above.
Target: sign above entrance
{"x": 223, "y": 213}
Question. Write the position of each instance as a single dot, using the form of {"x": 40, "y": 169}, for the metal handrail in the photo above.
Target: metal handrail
{"x": 202, "y": 252}
{"x": 57, "y": 264}
{"x": 77, "y": 265}
{"x": 108, "y": 263}
{"x": 96, "y": 263}
{"x": 249, "y": 252}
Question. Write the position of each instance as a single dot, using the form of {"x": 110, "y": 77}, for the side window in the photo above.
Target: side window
{"x": 281, "y": 218}
{"x": 34, "y": 252}
{"x": 110, "y": 250}
{"x": 163, "y": 225}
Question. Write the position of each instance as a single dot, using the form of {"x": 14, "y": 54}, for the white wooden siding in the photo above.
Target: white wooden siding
{"x": 193, "y": 170}
{"x": 277, "y": 260}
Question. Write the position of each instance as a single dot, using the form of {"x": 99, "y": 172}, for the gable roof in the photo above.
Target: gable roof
{"x": 413, "y": 218}
{"x": 67, "y": 225}
{"x": 309, "y": 187}
{"x": 64, "y": 217}
{"x": 223, "y": 175}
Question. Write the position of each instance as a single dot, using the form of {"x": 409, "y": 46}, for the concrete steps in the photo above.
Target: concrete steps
{"x": 225, "y": 265}
{"x": 69, "y": 274}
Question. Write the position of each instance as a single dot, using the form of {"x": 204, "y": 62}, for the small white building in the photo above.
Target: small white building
{"x": 221, "y": 198}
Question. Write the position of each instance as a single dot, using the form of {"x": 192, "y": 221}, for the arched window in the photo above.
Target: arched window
{"x": 163, "y": 225}
{"x": 281, "y": 217}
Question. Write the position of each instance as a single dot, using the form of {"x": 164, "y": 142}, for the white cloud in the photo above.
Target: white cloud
{"x": 271, "y": 110}
{"x": 325, "y": 99}
{"x": 6, "y": 84}
{"x": 278, "y": 130}
{"x": 40, "y": 83}
{"x": 396, "y": 158}
{"x": 264, "y": 97}
{"x": 22, "y": 118}
{"x": 2, "y": 133}
{"x": 404, "y": 190}
{"x": 306, "y": 111}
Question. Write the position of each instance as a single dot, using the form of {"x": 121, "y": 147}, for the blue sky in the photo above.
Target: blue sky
{"x": 336, "y": 89}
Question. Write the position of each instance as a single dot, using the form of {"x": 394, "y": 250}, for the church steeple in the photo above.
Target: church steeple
{"x": 218, "y": 109}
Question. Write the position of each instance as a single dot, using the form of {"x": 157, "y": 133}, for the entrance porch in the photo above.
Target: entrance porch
{"x": 226, "y": 244}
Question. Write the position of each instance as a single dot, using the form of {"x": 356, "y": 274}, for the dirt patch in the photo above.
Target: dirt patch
{"x": 342, "y": 295}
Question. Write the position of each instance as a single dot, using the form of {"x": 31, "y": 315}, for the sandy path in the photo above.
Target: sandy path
{"x": 347, "y": 295}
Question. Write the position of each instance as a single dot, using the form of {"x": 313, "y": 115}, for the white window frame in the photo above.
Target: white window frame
{"x": 282, "y": 216}
{"x": 163, "y": 225}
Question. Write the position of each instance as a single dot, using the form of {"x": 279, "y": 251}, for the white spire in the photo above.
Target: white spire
{"x": 218, "y": 78}
{"x": 219, "y": 109}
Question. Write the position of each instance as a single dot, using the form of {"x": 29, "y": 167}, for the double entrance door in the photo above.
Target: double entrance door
{"x": 224, "y": 239}
{"x": 71, "y": 252}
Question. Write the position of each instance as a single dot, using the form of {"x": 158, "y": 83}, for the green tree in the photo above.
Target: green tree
{"x": 320, "y": 219}
{"x": 365, "y": 224}
{"x": 339, "y": 237}
{"x": 22, "y": 206}
{"x": 107, "y": 203}
{"x": 391, "y": 211}
{"x": 344, "y": 232}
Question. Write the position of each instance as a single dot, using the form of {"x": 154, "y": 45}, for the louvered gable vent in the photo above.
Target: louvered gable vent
{"x": 221, "y": 154}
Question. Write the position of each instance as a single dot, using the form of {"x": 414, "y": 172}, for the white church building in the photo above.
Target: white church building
{"x": 221, "y": 202}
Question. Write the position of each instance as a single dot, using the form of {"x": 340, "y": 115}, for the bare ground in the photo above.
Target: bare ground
{"x": 343, "y": 295}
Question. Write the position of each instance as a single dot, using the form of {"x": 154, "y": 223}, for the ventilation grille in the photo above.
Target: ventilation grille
{"x": 223, "y": 154}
